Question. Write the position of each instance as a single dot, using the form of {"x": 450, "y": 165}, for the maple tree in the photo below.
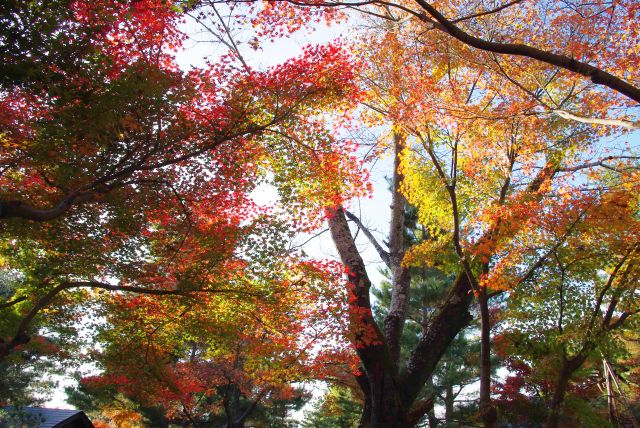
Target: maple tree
{"x": 126, "y": 175}
{"x": 219, "y": 360}
{"x": 480, "y": 162}
{"x": 126, "y": 185}
{"x": 139, "y": 172}
{"x": 588, "y": 67}
{"x": 583, "y": 292}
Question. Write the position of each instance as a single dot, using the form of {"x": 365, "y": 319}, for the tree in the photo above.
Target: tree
{"x": 336, "y": 408}
{"x": 479, "y": 164}
{"x": 124, "y": 176}
{"x": 593, "y": 52}
{"x": 141, "y": 173}
{"x": 224, "y": 359}
{"x": 582, "y": 293}
{"x": 458, "y": 366}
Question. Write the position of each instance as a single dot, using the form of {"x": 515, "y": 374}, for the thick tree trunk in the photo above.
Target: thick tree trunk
{"x": 386, "y": 407}
{"x": 389, "y": 397}
{"x": 231, "y": 405}
{"x": 488, "y": 412}
{"x": 451, "y": 318}
{"x": 569, "y": 367}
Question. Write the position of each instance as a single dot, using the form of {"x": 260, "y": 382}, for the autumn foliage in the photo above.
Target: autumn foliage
{"x": 135, "y": 233}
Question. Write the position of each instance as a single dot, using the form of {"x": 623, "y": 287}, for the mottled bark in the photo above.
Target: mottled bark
{"x": 401, "y": 277}
{"x": 395, "y": 319}
{"x": 391, "y": 396}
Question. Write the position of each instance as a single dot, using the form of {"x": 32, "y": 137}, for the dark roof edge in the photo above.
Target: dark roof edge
{"x": 80, "y": 416}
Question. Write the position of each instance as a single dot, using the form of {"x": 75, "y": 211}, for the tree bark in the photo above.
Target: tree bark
{"x": 488, "y": 412}
{"x": 569, "y": 366}
{"x": 387, "y": 410}
{"x": 451, "y": 318}
{"x": 401, "y": 277}
{"x": 391, "y": 395}
{"x": 19, "y": 209}
{"x": 365, "y": 417}
{"x": 419, "y": 410}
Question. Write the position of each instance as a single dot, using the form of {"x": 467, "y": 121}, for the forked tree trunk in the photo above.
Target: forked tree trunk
{"x": 569, "y": 367}
{"x": 370, "y": 343}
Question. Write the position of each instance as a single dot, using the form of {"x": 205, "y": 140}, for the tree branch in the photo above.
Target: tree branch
{"x": 598, "y": 121}
{"x": 12, "y": 302}
{"x": 19, "y": 209}
{"x": 487, "y": 12}
{"x": 596, "y": 75}
{"x": 384, "y": 255}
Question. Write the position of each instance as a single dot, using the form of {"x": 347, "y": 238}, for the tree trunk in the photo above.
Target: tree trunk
{"x": 448, "y": 404}
{"x": 363, "y": 383}
{"x": 451, "y": 318}
{"x": 386, "y": 406}
{"x": 394, "y": 321}
{"x": 391, "y": 395}
{"x": 401, "y": 277}
{"x": 569, "y": 366}
{"x": 488, "y": 412}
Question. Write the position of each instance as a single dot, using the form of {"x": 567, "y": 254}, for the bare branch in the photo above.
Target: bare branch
{"x": 384, "y": 255}
{"x": 487, "y": 12}
{"x": 598, "y": 121}
{"x": 600, "y": 162}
